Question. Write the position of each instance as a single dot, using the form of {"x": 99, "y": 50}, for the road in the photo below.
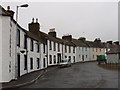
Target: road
{"x": 80, "y": 75}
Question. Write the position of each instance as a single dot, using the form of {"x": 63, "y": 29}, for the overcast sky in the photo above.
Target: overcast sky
{"x": 81, "y": 19}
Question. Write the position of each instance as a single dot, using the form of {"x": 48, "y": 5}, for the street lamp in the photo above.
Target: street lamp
{"x": 24, "y": 5}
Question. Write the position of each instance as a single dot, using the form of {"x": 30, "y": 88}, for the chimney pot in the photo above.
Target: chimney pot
{"x": 8, "y": 7}
{"x": 36, "y": 20}
{"x": 33, "y": 20}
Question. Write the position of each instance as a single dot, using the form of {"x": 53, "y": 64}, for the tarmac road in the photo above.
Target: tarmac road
{"x": 80, "y": 75}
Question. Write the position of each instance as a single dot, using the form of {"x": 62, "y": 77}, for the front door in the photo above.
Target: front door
{"x": 18, "y": 59}
{"x": 59, "y": 58}
{"x": 44, "y": 63}
{"x": 82, "y": 57}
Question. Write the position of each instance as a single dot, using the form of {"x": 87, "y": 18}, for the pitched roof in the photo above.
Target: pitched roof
{"x": 95, "y": 44}
{"x": 79, "y": 43}
{"x": 114, "y": 50}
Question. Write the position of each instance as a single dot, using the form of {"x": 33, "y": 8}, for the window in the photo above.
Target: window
{"x": 50, "y": 57}
{"x": 54, "y": 59}
{"x": 82, "y": 48}
{"x": 31, "y": 45}
{"x": 58, "y": 47}
{"x": 73, "y": 49}
{"x": 31, "y": 63}
{"x": 18, "y": 38}
{"x": 38, "y": 47}
{"x": 54, "y": 46}
{"x": 93, "y": 56}
{"x": 119, "y": 55}
{"x": 69, "y": 49}
{"x": 74, "y": 58}
{"x": 10, "y": 45}
{"x": 100, "y": 49}
{"x": 43, "y": 48}
{"x": 38, "y": 63}
{"x": 65, "y": 56}
{"x": 86, "y": 56}
{"x": 10, "y": 67}
{"x": 50, "y": 44}
{"x": 65, "y": 48}
{"x": 25, "y": 62}
{"x": 25, "y": 41}
{"x": 79, "y": 56}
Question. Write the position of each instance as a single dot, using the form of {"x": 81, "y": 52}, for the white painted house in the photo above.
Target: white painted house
{"x": 82, "y": 50}
{"x": 24, "y": 51}
{"x": 54, "y": 45}
{"x": 8, "y": 30}
{"x": 96, "y": 48}
{"x": 69, "y": 48}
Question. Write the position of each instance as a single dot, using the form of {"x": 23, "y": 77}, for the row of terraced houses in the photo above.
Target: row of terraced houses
{"x": 24, "y": 51}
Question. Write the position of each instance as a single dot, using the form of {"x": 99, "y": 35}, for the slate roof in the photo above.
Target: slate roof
{"x": 114, "y": 50}
{"x": 79, "y": 43}
{"x": 95, "y": 44}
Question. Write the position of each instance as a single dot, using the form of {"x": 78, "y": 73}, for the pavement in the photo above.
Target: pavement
{"x": 27, "y": 79}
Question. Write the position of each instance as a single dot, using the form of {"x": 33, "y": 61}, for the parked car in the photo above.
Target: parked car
{"x": 65, "y": 63}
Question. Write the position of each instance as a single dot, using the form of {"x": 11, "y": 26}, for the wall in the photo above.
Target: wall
{"x": 95, "y": 52}
{"x": 6, "y": 57}
{"x": 113, "y": 58}
{"x": 32, "y": 54}
{"x": 83, "y": 52}
{"x": 0, "y": 48}
{"x": 52, "y": 52}
{"x": 69, "y": 54}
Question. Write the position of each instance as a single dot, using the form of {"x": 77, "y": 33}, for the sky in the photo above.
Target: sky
{"x": 95, "y": 19}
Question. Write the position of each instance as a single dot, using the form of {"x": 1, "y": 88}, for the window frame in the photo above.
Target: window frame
{"x": 18, "y": 37}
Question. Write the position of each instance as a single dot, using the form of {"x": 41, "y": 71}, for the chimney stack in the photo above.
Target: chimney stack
{"x": 110, "y": 42}
{"x": 82, "y": 39}
{"x": 97, "y": 40}
{"x": 117, "y": 42}
{"x": 67, "y": 37}
{"x": 52, "y": 32}
{"x": 10, "y": 12}
{"x": 34, "y": 27}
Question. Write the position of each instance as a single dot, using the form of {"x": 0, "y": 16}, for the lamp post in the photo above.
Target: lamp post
{"x": 16, "y": 68}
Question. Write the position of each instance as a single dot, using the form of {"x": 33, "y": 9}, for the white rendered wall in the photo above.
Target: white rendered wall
{"x": 83, "y": 51}
{"x": 6, "y": 59}
{"x": 69, "y": 54}
{"x": 22, "y": 71}
{"x": 42, "y": 56}
{"x": 95, "y": 53}
{"x": 32, "y": 54}
{"x": 52, "y": 52}
{"x": 0, "y": 48}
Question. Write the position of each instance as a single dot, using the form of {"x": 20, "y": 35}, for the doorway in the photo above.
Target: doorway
{"x": 82, "y": 57}
{"x": 44, "y": 63}
{"x": 59, "y": 58}
{"x": 18, "y": 63}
